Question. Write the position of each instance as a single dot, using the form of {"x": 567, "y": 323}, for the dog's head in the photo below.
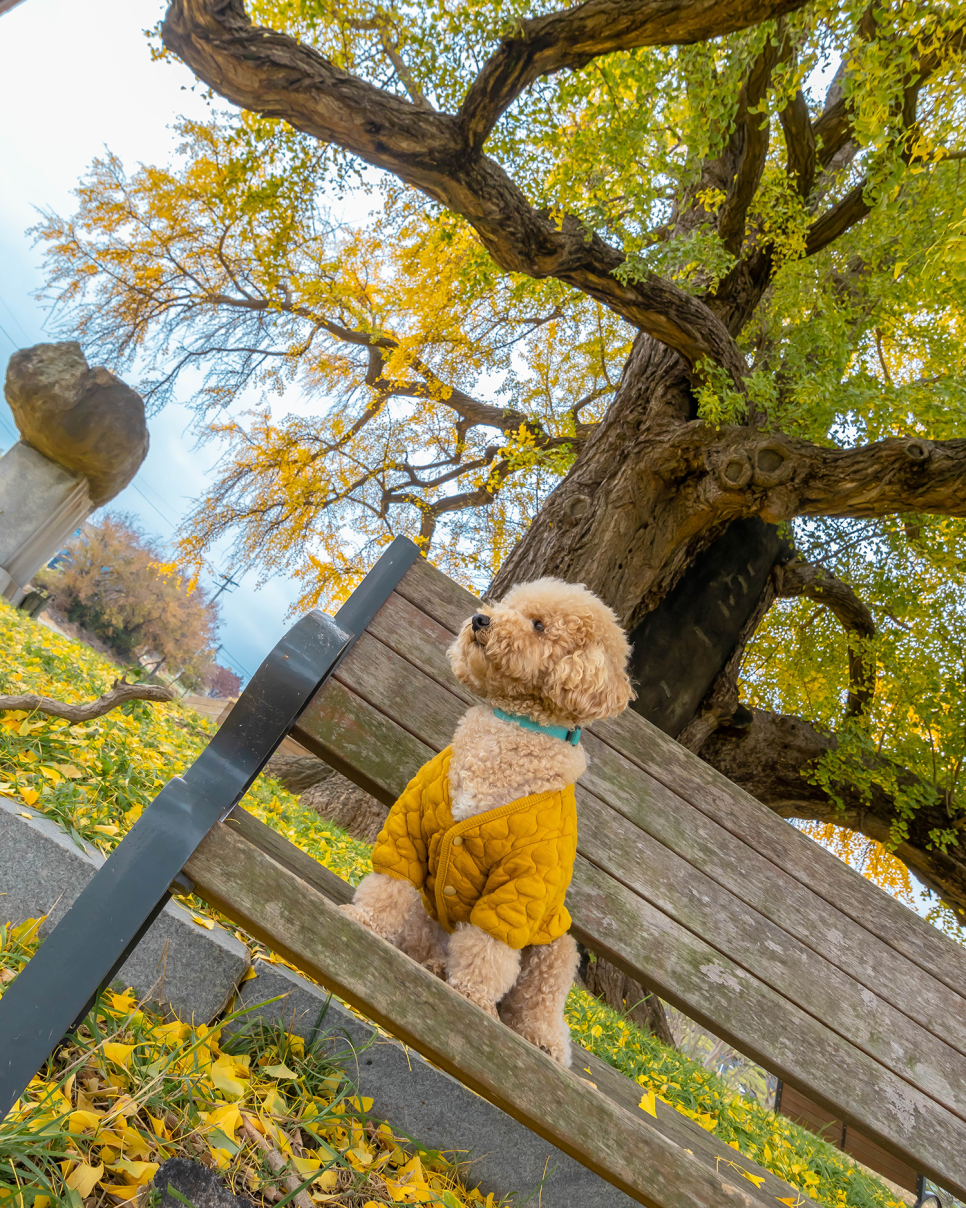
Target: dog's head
{"x": 550, "y": 650}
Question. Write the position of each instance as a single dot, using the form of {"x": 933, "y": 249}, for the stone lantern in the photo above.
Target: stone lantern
{"x": 83, "y": 437}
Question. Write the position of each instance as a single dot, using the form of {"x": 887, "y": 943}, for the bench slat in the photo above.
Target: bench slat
{"x": 788, "y": 849}
{"x": 773, "y": 958}
{"x": 296, "y": 920}
{"x": 686, "y": 971}
{"x": 774, "y": 894}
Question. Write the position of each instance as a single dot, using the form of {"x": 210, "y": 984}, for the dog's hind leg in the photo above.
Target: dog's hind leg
{"x": 534, "y": 1006}
{"x": 480, "y": 967}
{"x": 422, "y": 938}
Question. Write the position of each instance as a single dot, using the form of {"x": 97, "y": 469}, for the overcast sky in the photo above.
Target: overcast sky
{"x": 76, "y": 78}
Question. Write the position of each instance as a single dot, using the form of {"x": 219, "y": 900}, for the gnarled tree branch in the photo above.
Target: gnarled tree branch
{"x": 271, "y": 73}
{"x": 577, "y": 35}
{"x": 119, "y": 694}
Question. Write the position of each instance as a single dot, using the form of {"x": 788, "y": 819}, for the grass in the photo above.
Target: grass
{"x": 95, "y": 780}
{"x": 130, "y": 1090}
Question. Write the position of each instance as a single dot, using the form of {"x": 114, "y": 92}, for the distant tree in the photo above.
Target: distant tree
{"x": 114, "y": 582}
{"x": 222, "y": 683}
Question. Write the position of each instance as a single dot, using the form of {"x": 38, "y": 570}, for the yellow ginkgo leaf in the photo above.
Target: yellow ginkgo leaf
{"x": 83, "y": 1121}
{"x": 120, "y": 1053}
{"x": 250, "y": 974}
{"x": 138, "y": 1173}
{"x": 123, "y": 1191}
{"x": 227, "y": 1119}
{"x": 105, "y": 829}
{"x": 68, "y": 770}
{"x": 83, "y": 1178}
{"x": 223, "y": 1075}
{"x": 31, "y": 796}
{"x": 757, "y": 1179}
{"x": 26, "y": 931}
{"x": 648, "y": 1105}
{"x": 208, "y": 924}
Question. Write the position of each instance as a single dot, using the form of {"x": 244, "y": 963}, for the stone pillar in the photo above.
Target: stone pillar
{"x": 83, "y": 438}
{"x": 41, "y": 504}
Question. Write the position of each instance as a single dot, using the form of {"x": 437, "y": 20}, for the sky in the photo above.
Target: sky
{"x": 76, "y": 78}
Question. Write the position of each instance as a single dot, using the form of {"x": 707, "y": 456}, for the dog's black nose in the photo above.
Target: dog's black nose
{"x": 479, "y": 621}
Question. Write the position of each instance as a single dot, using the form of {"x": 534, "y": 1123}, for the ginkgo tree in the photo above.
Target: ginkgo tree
{"x": 665, "y": 298}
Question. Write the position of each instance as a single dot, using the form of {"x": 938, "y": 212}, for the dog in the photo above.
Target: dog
{"x": 472, "y": 866}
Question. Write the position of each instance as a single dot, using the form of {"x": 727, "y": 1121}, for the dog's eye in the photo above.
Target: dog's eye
{"x": 538, "y": 626}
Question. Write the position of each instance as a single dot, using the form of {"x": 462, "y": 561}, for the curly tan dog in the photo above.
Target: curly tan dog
{"x": 472, "y": 866}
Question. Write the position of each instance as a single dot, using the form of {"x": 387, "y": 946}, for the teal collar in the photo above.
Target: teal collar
{"x": 561, "y": 732}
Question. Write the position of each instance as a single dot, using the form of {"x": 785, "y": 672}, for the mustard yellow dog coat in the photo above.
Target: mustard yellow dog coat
{"x": 505, "y": 871}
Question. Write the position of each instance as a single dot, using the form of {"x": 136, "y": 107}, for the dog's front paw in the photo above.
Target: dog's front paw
{"x": 368, "y": 919}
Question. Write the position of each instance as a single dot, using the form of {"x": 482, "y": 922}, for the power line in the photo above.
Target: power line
{"x": 13, "y": 316}
{"x": 168, "y": 522}
{"x": 155, "y": 492}
{"x": 13, "y": 342}
{"x": 232, "y": 659}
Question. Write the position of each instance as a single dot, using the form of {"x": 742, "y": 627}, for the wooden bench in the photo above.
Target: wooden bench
{"x": 682, "y": 880}
{"x": 699, "y": 892}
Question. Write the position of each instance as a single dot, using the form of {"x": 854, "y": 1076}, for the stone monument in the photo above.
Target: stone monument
{"x": 83, "y": 437}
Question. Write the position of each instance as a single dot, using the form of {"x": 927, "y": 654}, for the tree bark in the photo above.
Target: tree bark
{"x": 628, "y": 997}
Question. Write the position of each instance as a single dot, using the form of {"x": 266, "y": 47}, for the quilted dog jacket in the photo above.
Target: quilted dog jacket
{"x": 505, "y": 871}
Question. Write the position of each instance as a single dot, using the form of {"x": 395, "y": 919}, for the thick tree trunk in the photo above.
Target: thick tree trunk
{"x": 637, "y": 520}
{"x": 623, "y": 519}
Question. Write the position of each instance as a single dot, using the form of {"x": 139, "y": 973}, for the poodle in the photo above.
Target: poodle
{"x": 472, "y": 866}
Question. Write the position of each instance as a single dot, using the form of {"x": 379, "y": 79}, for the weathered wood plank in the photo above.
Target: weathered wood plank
{"x": 420, "y": 640}
{"x": 292, "y": 858}
{"x": 775, "y": 895}
{"x": 637, "y": 937}
{"x": 705, "y": 1146}
{"x": 787, "y": 848}
{"x": 733, "y": 809}
{"x": 761, "y": 1021}
{"x": 360, "y": 742}
{"x": 773, "y": 957}
{"x": 436, "y": 594}
{"x": 279, "y": 908}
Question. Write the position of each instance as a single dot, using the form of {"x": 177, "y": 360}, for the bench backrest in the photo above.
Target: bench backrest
{"x": 700, "y": 893}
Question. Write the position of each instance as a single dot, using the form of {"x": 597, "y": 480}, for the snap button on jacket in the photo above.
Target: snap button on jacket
{"x": 508, "y": 876}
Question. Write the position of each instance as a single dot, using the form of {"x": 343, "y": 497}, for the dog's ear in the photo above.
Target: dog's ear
{"x": 591, "y": 683}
